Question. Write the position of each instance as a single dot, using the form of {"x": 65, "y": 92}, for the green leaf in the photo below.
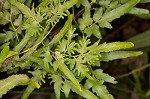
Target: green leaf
{"x": 96, "y": 31}
{"x": 55, "y": 65}
{"x": 18, "y": 21}
{"x": 118, "y": 55}
{"x": 71, "y": 63}
{"x": 71, "y": 48}
{"x": 107, "y": 47}
{"x": 114, "y": 4}
{"x": 138, "y": 11}
{"x": 71, "y": 34}
{"x": 81, "y": 68}
{"x": 103, "y": 76}
{"x": 62, "y": 67}
{"x": 34, "y": 83}
{"x": 98, "y": 88}
{"x": 28, "y": 91}
{"x": 3, "y": 54}
{"x": 90, "y": 58}
{"x": 2, "y": 46}
{"x": 105, "y": 3}
{"x": 3, "y": 38}
{"x": 4, "y": 17}
{"x": 82, "y": 24}
{"x": 101, "y": 91}
{"x": 88, "y": 84}
{"x": 61, "y": 47}
{"x": 57, "y": 85}
{"x": 69, "y": 4}
{"x": 62, "y": 32}
{"x": 36, "y": 60}
{"x": 37, "y": 76}
{"x": 25, "y": 10}
{"x": 11, "y": 82}
{"x": 88, "y": 31}
{"x": 97, "y": 63}
{"x": 86, "y": 93}
{"x": 87, "y": 17}
{"x": 86, "y": 20}
{"x": 23, "y": 43}
{"x": 116, "y": 13}
{"x": 98, "y": 14}
{"x": 148, "y": 93}
{"x": 14, "y": 10}
{"x": 7, "y": 5}
{"x": 12, "y": 53}
{"x": 83, "y": 92}
{"x": 69, "y": 74}
{"x": 66, "y": 88}
{"x": 94, "y": 46}
{"x": 85, "y": 3}
{"x": 82, "y": 45}
{"x": 145, "y": 1}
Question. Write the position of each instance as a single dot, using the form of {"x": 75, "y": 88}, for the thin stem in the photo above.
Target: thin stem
{"x": 133, "y": 71}
{"x": 39, "y": 41}
{"x": 11, "y": 20}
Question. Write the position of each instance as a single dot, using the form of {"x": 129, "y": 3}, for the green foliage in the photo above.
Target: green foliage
{"x": 6, "y": 53}
{"x": 68, "y": 57}
{"x": 35, "y": 81}
{"x": 145, "y": 1}
{"x": 141, "y": 40}
{"x": 118, "y": 54}
{"x": 12, "y": 81}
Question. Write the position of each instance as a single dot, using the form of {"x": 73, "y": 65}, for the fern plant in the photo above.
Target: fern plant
{"x": 65, "y": 55}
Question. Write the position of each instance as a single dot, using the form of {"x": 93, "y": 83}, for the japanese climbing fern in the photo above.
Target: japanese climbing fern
{"x": 50, "y": 38}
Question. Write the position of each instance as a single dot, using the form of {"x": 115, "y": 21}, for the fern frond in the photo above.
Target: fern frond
{"x": 6, "y": 53}
{"x": 25, "y": 10}
{"x": 62, "y": 31}
{"x": 118, "y": 55}
{"x": 116, "y": 13}
{"x": 62, "y": 67}
{"x": 57, "y": 11}
{"x": 83, "y": 92}
{"x": 107, "y": 47}
{"x": 37, "y": 77}
{"x": 138, "y": 11}
{"x": 57, "y": 84}
{"x": 11, "y": 82}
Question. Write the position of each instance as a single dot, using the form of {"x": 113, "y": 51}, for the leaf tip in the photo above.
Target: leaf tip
{"x": 139, "y": 53}
{"x": 132, "y": 44}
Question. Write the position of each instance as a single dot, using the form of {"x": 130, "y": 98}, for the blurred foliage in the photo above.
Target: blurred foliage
{"x": 52, "y": 40}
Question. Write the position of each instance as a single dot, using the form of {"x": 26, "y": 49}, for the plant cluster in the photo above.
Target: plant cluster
{"x": 66, "y": 55}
